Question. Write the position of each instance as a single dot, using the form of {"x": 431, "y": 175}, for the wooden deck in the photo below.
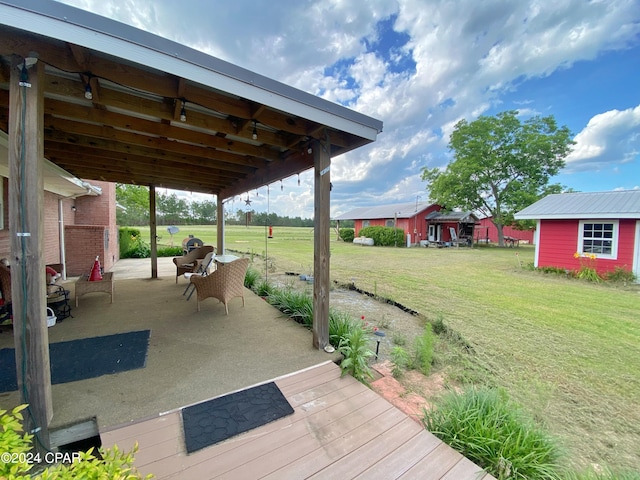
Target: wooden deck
{"x": 340, "y": 429}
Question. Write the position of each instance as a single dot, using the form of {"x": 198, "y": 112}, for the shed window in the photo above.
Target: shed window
{"x": 390, "y": 222}
{"x": 599, "y": 238}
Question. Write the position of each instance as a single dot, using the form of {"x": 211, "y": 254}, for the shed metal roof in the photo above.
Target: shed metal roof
{"x": 397, "y": 210}
{"x": 131, "y": 130}
{"x": 461, "y": 217}
{"x": 594, "y": 205}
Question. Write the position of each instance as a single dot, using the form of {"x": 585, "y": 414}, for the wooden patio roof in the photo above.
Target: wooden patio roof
{"x": 109, "y": 102}
{"x": 160, "y": 113}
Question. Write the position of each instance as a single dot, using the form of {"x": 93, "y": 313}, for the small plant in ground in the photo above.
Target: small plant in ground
{"x": 620, "y": 275}
{"x": 263, "y": 288}
{"x": 588, "y": 264}
{"x": 495, "y": 434}
{"x": 399, "y": 339}
{"x": 251, "y": 278}
{"x": 355, "y": 349}
{"x": 384, "y": 322}
{"x": 438, "y": 326}
{"x": 424, "y": 350}
{"x": 602, "y": 473}
{"x": 340, "y": 324}
{"x": 401, "y": 361}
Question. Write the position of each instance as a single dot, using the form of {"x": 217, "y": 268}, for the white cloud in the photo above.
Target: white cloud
{"x": 467, "y": 55}
{"x": 609, "y": 138}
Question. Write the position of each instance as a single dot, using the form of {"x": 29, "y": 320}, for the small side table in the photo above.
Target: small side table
{"x": 83, "y": 285}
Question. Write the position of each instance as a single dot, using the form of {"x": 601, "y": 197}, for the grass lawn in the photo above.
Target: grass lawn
{"x": 567, "y": 350}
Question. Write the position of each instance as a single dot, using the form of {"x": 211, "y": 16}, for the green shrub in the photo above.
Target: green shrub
{"x": 553, "y": 270}
{"x": 251, "y": 278}
{"x": 108, "y": 464}
{"x": 620, "y": 275}
{"x": 170, "y": 251}
{"x": 355, "y": 349}
{"x": 13, "y": 440}
{"x": 128, "y": 236}
{"x": 384, "y": 236}
{"x": 132, "y": 245}
{"x": 494, "y": 433}
{"x": 347, "y": 234}
{"x": 424, "y": 350}
{"x": 298, "y": 305}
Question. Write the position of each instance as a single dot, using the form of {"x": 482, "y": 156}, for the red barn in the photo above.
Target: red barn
{"x": 487, "y": 232}
{"x": 604, "y": 224}
{"x": 410, "y": 217}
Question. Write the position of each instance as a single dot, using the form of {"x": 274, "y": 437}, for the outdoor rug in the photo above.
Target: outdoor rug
{"x": 210, "y": 422}
{"x": 84, "y": 358}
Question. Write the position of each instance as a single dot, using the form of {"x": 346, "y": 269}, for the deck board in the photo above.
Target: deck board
{"x": 339, "y": 429}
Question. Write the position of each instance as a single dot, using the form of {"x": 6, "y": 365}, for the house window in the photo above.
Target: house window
{"x": 390, "y": 222}
{"x": 599, "y": 238}
{"x": 365, "y": 223}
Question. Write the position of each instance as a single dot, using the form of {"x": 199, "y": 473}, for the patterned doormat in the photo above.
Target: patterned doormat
{"x": 213, "y": 421}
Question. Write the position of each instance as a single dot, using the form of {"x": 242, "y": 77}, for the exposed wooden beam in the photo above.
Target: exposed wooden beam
{"x": 26, "y": 225}
{"x": 321, "y": 229}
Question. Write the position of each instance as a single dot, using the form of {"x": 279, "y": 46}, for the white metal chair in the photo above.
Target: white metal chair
{"x": 202, "y": 270}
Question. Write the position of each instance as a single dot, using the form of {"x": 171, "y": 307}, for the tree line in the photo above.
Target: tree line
{"x": 133, "y": 210}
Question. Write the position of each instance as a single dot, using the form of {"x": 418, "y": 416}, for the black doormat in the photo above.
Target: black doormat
{"x": 210, "y": 422}
{"x": 84, "y": 358}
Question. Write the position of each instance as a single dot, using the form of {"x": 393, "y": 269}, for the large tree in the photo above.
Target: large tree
{"x": 500, "y": 165}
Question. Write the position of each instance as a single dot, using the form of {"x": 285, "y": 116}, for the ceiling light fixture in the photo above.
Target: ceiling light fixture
{"x": 183, "y": 112}
{"x": 88, "y": 93}
{"x": 24, "y": 75}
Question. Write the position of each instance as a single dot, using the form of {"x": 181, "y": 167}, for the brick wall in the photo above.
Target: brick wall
{"x": 98, "y": 213}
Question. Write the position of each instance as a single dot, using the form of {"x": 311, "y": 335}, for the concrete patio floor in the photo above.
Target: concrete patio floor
{"x": 192, "y": 355}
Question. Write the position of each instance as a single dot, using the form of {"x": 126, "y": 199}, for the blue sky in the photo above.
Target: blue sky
{"x": 420, "y": 66}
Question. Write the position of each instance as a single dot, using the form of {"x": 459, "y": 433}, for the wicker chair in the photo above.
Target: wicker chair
{"x": 225, "y": 283}
{"x": 189, "y": 262}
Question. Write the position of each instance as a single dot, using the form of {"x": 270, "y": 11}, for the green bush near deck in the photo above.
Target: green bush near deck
{"x": 494, "y": 433}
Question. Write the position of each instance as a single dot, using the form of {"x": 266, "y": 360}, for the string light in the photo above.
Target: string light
{"x": 298, "y": 179}
{"x": 254, "y": 135}
{"x": 281, "y": 186}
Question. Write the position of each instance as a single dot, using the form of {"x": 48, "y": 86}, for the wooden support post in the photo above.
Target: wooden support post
{"x": 153, "y": 228}
{"x": 220, "y": 227}
{"x": 321, "y": 232}
{"x": 28, "y": 286}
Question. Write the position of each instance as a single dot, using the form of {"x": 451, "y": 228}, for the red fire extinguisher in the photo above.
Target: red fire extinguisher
{"x": 95, "y": 275}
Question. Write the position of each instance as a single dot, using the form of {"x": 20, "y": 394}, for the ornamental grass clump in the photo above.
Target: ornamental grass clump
{"x": 588, "y": 264}
{"x": 494, "y": 433}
